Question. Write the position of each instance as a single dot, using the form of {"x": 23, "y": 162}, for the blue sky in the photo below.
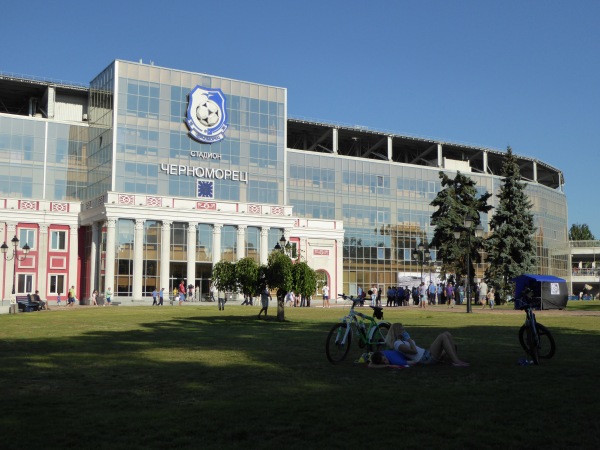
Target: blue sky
{"x": 518, "y": 73}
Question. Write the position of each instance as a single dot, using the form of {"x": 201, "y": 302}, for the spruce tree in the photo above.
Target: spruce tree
{"x": 511, "y": 246}
{"x": 457, "y": 199}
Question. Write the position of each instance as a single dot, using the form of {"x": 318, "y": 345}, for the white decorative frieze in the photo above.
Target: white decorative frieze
{"x": 153, "y": 201}
{"x": 206, "y": 205}
{"x": 27, "y": 204}
{"x": 59, "y": 207}
{"x": 254, "y": 209}
{"x": 125, "y": 199}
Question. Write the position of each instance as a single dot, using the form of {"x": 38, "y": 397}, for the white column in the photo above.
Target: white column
{"x": 138, "y": 259}
{"x": 335, "y": 140}
{"x": 336, "y": 274}
{"x": 11, "y": 230}
{"x": 485, "y": 161}
{"x": 264, "y": 245}
{"x": 165, "y": 255}
{"x": 109, "y": 258}
{"x": 73, "y": 253}
{"x": 94, "y": 257}
{"x": 42, "y": 281}
{"x": 535, "y": 171}
{"x": 440, "y": 156}
{"x": 241, "y": 242}
{"x": 390, "y": 152}
{"x": 191, "y": 253}
{"x": 217, "y": 227}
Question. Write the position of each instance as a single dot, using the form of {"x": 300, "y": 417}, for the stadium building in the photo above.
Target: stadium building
{"x": 150, "y": 175}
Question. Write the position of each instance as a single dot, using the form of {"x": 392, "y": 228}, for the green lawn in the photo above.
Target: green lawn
{"x": 196, "y": 377}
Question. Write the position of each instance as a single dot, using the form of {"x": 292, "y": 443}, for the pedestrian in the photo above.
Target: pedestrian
{"x": 290, "y": 298}
{"x": 247, "y": 300}
{"x": 95, "y": 298}
{"x": 181, "y": 292}
{"x": 108, "y": 297}
{"x": 490, "y": 298}
{"x": 422, "y": 295}
{"x": 221, "y": 301}
{"x": 450, "y": 295}
{"x": 58, "y": 299}
{"x": 391, "y": 294}
{"x": 154, "y": 297}
{"x": 325, "y": 296}
{"x": 432, "y": 291}
{"x": 483, "y": 290}
{"x": 161, "y": 296}
{"x": 213, "y": 292}
{"x": 265, "y": 296}
{"x": 71, "y": 297}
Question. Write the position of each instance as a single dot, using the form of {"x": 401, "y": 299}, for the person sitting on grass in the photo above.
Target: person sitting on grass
{"x": 442, "y": 347}
{"x": 387, "y": 358}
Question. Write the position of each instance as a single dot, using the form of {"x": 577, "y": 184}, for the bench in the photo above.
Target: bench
{"x": 25, "y": 305}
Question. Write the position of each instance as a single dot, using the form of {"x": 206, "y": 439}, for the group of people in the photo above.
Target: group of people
{"x": 402, "y": 350}
{"x": 158, "y": 297}
{"x": 435, "y": 294}
{"x": 300, "y": 301}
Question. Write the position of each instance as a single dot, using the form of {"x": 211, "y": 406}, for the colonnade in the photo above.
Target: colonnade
{"x": 138, "y": 245}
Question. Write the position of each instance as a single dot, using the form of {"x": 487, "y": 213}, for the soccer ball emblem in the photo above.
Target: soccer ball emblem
{"x": 208, "y": 112}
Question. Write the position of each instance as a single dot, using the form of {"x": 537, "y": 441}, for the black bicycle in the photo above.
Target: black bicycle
{"x": 534, "y": 337}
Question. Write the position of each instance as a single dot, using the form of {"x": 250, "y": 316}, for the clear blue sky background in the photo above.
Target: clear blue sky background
{"x": 518, "y": 73}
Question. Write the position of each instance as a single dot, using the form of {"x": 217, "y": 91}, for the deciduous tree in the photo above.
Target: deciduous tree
{"x": 580, "y": 233}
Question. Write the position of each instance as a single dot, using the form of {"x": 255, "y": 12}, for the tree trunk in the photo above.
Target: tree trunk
{"x": 280, "y": 304}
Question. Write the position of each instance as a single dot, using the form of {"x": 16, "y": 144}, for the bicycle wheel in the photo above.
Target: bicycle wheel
{"x": 546, "y": 347}
{"x": 377, "y": 337}
{"x": 533, "y": 343}
{"x": 335, "y": 350}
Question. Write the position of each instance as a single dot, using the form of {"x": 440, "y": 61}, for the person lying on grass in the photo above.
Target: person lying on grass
{"x": 442, "y": 347}
{"x": 388, "y": 358}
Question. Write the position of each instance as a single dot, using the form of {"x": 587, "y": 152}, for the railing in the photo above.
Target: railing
{"x": 587, "y": 244}
{"x": 17, "y": 76}
{"x": 586, "y": 272}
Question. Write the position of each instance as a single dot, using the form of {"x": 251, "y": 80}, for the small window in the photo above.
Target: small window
{"x": 58, "y": 240}
{"x": 57, "y": 284}
{"x": 27, "y": 236}
{"x": 24, "y": 284}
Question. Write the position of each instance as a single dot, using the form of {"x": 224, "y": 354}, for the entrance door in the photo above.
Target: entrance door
{"x": 203, "y": 279}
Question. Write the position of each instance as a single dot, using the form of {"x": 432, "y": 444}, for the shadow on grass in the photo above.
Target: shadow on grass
{"x": 232, "y": 381}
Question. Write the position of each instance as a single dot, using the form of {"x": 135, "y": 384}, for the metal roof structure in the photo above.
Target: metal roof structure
{"x": 361, "y": 142}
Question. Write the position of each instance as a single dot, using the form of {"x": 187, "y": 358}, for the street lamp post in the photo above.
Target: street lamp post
{"x": 468, "y": 229}
{"x": 284, "y": 246}
{"x": 14, "y": 257}
{"x": 422, "y": 255}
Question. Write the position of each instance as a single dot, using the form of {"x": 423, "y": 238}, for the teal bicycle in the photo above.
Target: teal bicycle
{"x": 371, "y": 334}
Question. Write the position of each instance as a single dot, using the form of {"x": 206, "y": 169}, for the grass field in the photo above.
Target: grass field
{"x": 196, "y": 377}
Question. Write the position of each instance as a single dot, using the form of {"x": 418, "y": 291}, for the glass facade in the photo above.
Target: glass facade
{"x": 100, "y": 160}
{"x": 42, "y": 160}
{"x": 386, "y": 213}
{"x": 152, "y": 104}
